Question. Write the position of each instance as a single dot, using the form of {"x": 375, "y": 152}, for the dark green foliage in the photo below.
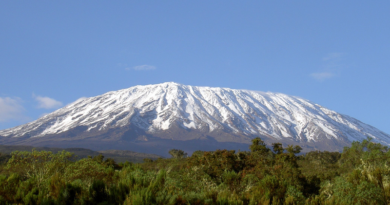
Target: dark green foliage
{"x": 117, "y": 155}
{"x": 118, "y": 193}
{"x": 4, "y": 158}
{"x": 277, "y": 148}
{"x": 178, "y": 154}
{"x": 359, "y": 175}
{"x": 259, "y": 146}
{"x": 98, "y": 193}
{"x": 197, "y": 153}
{"x": 148, "y": 160}
{"x": 68, "y": 194}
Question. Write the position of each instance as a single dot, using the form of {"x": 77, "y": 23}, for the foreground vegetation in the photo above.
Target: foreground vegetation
{"x": 277, "y": 175}
{"x": 117, "y": 155}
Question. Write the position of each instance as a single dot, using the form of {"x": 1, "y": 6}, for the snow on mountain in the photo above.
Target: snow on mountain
{"x": 155, "y": 108}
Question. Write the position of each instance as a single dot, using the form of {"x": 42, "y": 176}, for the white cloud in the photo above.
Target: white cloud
{"x": 11, "y": 109}
{"x": 331, "y": 66}
{"x": 143, "y": 67}
{"x": 322, "y": 76}
{"x": 46, "y": 102}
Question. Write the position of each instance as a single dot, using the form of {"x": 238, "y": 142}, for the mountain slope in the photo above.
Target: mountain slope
{"x": 181, "y": 112}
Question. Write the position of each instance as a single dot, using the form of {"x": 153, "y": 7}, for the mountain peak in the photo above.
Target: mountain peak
{"x": 166, "y": 84}
{"x": 179, "y": 112}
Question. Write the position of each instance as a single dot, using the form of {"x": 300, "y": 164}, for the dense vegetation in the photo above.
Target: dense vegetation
{"x": 276, "y": 175}
{"x": 117, "y": 155}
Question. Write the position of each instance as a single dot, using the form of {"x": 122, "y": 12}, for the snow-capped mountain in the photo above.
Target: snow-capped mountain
{"x": 182, "y": 112}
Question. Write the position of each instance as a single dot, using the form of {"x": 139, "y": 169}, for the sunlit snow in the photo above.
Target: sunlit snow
{"x": 158, "y": 107}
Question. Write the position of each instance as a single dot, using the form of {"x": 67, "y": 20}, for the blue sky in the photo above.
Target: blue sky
{"x": 334, "y": 53}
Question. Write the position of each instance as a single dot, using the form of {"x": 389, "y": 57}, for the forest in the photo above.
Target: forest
{"x": 264, "y": 175}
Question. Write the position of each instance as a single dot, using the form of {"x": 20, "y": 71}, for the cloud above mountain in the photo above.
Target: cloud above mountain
{"x": 46, "y": 102}
{"x": 11, "y": 109}
{"x": 331, "y": 67}
{"x": 322, "y": 76}
{"x": 144, "y": 67}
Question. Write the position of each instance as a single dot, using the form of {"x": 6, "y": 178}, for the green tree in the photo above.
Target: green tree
{"x": 277, "y": 148}
{"x": 259, "y": 146}
{"x": 177, "y": 153}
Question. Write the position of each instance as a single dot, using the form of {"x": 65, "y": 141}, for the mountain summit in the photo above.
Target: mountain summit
{"x": 169, "y": 113}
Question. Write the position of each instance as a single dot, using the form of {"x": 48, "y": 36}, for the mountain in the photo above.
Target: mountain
{"x": 155, "y": 118}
